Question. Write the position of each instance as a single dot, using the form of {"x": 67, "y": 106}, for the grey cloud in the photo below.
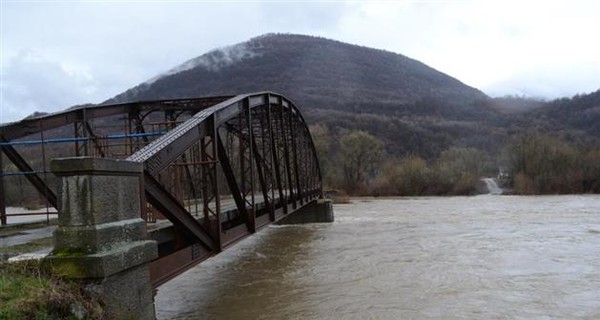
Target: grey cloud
{"x": 294, "y": 15}
{"x": 550, "y": 82}
{"x": 34, "y": 83}
{"x": 123, "y": 44}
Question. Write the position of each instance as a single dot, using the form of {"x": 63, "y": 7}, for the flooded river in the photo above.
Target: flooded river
{"x": 483, "y": 257}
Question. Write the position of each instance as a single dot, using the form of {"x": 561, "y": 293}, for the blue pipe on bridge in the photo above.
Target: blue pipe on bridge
{"x": 64, "y": 140}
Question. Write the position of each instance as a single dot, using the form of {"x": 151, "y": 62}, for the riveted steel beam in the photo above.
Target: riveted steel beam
{"x": 25, "y": 127}
{"x": 232, "y": 183}
{"x": 38, "y": 183}
{"x": 172, "y": 209}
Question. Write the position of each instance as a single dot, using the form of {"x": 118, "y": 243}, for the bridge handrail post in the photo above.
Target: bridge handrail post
{"x": 101, "y": 241}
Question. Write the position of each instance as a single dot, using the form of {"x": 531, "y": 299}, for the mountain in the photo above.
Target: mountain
{"x": 321, "y": 72}
{"x": 580, "y": 113}
{"x": 412, "y": 108}
{"x": 343, "y": 86}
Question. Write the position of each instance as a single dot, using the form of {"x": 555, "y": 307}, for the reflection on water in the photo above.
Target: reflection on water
{"x": 460, "y": 257}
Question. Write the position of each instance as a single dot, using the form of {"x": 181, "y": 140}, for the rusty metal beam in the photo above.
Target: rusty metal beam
{"x": 158, "y": 155}
{"x": 247, "y": 162}
{"x": 175, "y": 212}
{"x": 2, "y": 194}
{"x": 94, "y": 138}
{"x": 209, "y": 175}
{"x": 30, "y": 126}
{"x": 261, "y": 177}
{"x": 33, "y": 178}
{"x": 233, "y": 185}
{"x": 286, "y": 153}
{"x": 295, "y": 156}
{"x": 277, "y": 159}
{"x": 275, "y": 156}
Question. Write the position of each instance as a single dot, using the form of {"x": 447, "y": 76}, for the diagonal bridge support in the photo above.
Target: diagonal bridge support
{"x": 218, "y": 169}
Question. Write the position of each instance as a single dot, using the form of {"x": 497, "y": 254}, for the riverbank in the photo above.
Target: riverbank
{"x": 31, "y": 291}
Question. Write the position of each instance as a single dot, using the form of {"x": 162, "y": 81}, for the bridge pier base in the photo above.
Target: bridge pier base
{"x": 101, "y": 241}
{"x": 319, "y": 210}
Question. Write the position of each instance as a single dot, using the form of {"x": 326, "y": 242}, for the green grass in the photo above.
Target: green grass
{"x": 17, "y": 290}
{"x": 30, "y": 291}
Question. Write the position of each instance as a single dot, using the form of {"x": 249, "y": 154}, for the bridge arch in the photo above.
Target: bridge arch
{"x": 254, "y": 149}
{"x": 259, "y": 142}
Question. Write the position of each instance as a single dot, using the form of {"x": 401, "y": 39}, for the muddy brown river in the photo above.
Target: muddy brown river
{"x": 482, "y": 257}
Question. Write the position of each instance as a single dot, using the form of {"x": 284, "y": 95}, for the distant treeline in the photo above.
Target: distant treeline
{"x": 545, "y": 165}
{"x": 540, "y": 164}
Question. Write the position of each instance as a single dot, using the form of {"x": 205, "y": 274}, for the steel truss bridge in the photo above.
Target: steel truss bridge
{"x": 216, "y": 169}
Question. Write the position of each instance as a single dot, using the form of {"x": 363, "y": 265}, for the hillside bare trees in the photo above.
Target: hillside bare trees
{"x": 545, "y": 164}
{"x": 360, "y": 157}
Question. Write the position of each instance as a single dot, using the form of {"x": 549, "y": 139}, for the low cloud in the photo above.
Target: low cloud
{"x": 92, "y": 51}
{"x": 32, "y": 82}
{"x": 549, "y": 81}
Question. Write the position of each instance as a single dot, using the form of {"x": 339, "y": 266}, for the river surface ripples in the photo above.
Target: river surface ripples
{"x": 482, "y": 257}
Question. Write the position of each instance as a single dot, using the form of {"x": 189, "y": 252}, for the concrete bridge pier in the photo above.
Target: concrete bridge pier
{"x": 101, "y": 241}
{"x": 319, "y": 210}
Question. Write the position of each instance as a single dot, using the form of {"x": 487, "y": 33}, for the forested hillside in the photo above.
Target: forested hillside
{"x": 410, "y": 106}
{"x": 317, "y": 72}
{"x": 422, "y": 131}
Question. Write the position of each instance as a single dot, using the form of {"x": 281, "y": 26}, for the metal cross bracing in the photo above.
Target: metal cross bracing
{"x": 255, "y": 162}
{"x": 218, "y": 168}
{"x": 114, "y": 131}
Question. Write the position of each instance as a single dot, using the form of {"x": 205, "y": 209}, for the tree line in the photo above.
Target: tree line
{"x": 357, "y": 163}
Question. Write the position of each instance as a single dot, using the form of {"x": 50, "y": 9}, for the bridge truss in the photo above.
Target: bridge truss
{"x": 218, "y": 168}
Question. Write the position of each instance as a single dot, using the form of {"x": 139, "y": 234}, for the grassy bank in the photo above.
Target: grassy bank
{"x": 30, "y": 291}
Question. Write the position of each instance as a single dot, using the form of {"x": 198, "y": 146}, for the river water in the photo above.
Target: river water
{"x": 482, "y": 257}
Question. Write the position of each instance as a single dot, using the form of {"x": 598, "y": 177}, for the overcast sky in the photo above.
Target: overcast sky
{"x": 55, "y": 54}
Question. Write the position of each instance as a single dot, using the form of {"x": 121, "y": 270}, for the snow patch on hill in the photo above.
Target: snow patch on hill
{"x": 213, "y": 60}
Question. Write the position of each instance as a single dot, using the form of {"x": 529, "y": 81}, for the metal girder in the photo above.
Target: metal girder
{"x": 94, "y": 138}
{"x": 233, "y": 185}
{"x": 138, "y": 124}
{"x": 80, "y": 132}
{"x": 30, "y": 126}
{"x": 85, "y": 130}
{"x": 2, "y": 194}
{"x": 263, "y": 155}
{"x": 261, "y": 176}
{"x": 275, "y": 156}
{"x": 175, "y": 212}
{"x": 209, "y": 175}
{"x": 254, "y": 143}
{"x": 245, "y": 136}
{"x": 33, "y": 178}
{"x": 167, "y": 148}
{"x": 286, "y": 153}
{"x": 292, "y": 125}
